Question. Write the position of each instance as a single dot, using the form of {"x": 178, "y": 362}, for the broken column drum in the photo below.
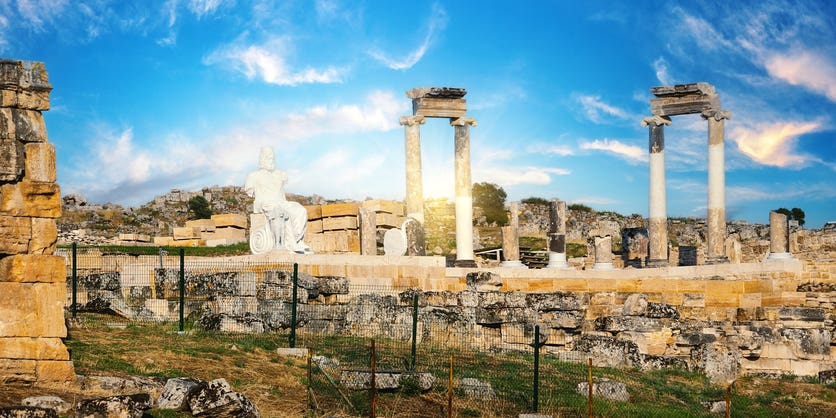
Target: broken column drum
{"x": 603, "y": 252}
{"x": 779, "y": 242}
{"x": 683, "y": 99}
{"x": 511, "y": 239}
{"x": 442, "y": 102}
{"x": 557, "y": 235}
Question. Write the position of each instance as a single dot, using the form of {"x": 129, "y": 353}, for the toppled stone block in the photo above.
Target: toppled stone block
{"x": 608, "y": 351}
{"x": 635, "y": 305}
{"x": 176, "y": 392}
{"x": 475, "y": 388}
{"x": 483, "y": 281}
{"x": 216, "y": 399}
{"x": 27, "y": 412}
{"x": 127, "y": 406}
{"x": 121, "y": 385}
{"x": 721, "y": 364}
{"x": 49, "y": 402}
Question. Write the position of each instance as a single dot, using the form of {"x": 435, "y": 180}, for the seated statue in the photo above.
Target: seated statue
{"x": 286, "y": 220}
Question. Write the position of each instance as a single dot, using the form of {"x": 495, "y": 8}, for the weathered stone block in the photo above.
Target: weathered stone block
{"x": 230, "y": 219}
{"x": 15, "y": 233}
{"x": 31, "y": 268}
{"x": 17, "y": 371}
{"x": 44, "y": 236}
{"x": 802, "y": 314}
{"x": 29, "y": 125}
{"x": 340, "y": 209}
{"x": 32, "y": 309}
{"x": 40, "y": 162}
{"x": 12, "y": 159}
{"x": 33, "y": 348}
{"x": 39, "y": 200}
{"x": 128, "y": 406}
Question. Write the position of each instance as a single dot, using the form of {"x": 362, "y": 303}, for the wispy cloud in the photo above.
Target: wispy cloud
{"x": 631, "y": 153}
{"x": 268, "y": 62}
{"x": 204, "y": 7}
{"x": 437, "y": 23}
{"x": 550, "y": 149}
{"x": 662, "y": 72}
{"x": 597, "y": 110}
{"x": 809, "y": 69}
{"x": 37, "y": 14}
{"x": 775, "y": 143}
{"x": 512, "y": 176}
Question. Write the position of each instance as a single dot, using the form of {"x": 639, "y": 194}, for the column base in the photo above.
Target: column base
{"x": 656, "y": 263}
{"x": 779, "y": 257}
{"x": 717, "y": 260}
{"x": 513, "y": 264}
{"x": 557, "y": 261}
{"x": 602, "y": 266}
{"x": 465, "y": 263}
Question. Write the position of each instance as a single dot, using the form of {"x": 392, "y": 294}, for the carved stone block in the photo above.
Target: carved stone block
{"x": 40, "y": 200}
{"x": 40, "y": 162}
{"x": 15, "y": 233}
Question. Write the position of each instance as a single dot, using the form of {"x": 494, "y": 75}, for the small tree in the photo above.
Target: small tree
{"x": 199, "y": 208}
{"x": 491, "y": 198}
{"x": 798, "y": 215}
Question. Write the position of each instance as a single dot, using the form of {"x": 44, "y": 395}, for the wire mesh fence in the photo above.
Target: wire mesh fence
{"x": 386, "y": 350}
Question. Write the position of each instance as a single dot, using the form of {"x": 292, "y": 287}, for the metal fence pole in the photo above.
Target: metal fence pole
{"x": 589, "y": 394}
{"x": 293, "y": 306}
{"x": 75, "y": 279}
{"x": 182, "y": 286}
{"x": 536, "y": 367}
{"x": 373, "y": 387}
{"x": 414, "y": 330}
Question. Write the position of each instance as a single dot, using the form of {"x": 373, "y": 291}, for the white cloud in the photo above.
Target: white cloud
{"x": 437, "y": 23}
{"x": 662, "y": 74}
{"x": 595, "y": 200}
{"x": 809, "y": 69}
{"x": 633, "y": 154}
{"x": 511, "y": 176}
{"x": 126, "y": 169}
{"x": 38, "y": 13}
{"x": 559, "y": 150}
{"x": 703, "y": 33}
{"x": 268, "y": 62}
{"x": 596, "y": 110}
{"x": 774, "y": 143}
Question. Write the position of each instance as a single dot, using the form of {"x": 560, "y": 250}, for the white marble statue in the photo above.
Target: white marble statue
{"x": 286, "y": 220}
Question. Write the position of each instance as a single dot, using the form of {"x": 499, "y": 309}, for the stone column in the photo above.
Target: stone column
{"x": 511, "y": 239}
{"x": 32, "y": 279}
{"x": 557, "y": 235}
{"x": 779, "y": 237}
{"x": 368, "y": 231}
{"x": 414, "y": 184}
{"x": 603, "y": 252}
{"x": 716, "y": 222}
{"x": 464, "y": 193}
{"x": 657, "y": 222}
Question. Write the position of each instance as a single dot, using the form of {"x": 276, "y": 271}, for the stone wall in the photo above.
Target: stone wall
{"x": 31, "y": 277}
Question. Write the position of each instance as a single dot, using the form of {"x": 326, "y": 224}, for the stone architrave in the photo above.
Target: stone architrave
{"x": 779, "y": 242}
{"x": 657, "y": 217}
{"x": 414, "y": 184}
{"x": 464, "y": 193}
{"x": 603, "y": 252}
{"x": 557, "y": 235}
{"x": 716, "y": 236}
{"x": 511, "y": 239}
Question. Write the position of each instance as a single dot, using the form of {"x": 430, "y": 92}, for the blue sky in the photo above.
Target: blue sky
{"x": 154, "y": 95}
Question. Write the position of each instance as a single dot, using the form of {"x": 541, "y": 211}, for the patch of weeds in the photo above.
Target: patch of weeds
{"x": 239, "y": 363}
{"x": 467, "y": 412}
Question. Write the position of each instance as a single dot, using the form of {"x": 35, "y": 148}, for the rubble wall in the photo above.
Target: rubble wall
{"x": 31, "y": 277}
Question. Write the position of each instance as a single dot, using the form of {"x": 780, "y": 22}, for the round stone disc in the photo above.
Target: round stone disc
{"x": 394, "y": 242}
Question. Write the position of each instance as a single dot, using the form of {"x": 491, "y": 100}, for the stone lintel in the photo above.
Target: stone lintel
{"x": 439, "y": 107}
{"x": 682, "y": 90}
{"x": 672, "y": 106}
{"x": 436, "y": 92}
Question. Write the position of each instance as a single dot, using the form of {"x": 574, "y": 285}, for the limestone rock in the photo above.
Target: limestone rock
{"x": 27, "y": 412}
{"x": 216, "y": 399}
{"x": 384, "y": 380}
{"x": 121, "y": 406}
{"x": 34, "y": 199}
{"x": 176, "y": 393}
{"x": 49, "y": 402}
{"x": 483, "y": 281}
{"x": 635, "y": 305}
{"x": 475, "y": 388}
{"x": 121, "y": 385}
{"x": 827, "y": 377}
{"x": 720, "y": 363}
{"x": 606, "y": 389}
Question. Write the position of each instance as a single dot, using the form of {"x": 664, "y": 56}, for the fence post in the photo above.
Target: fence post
{"x": 536, "y": 367}
{"x": 182, "y": 286}
{"x": 373, "y": 387}
{"x": 75, "y": 279}
{"x": 414, "y": 329}
{"x": 450, "y": 390}
{"x": 293, "y": 302}
{"x": 589, "y": 382}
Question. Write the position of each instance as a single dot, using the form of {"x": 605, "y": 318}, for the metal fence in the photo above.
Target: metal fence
{"x": 398, "y": 338}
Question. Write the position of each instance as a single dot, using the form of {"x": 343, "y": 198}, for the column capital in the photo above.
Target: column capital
{"x": 656, "y": 120}
{"x": 718, "y": 115}
{"x": 412, "y": 120}
{"x": 462, "y": 121}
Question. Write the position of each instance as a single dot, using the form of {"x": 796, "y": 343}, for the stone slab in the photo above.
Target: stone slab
{"x": 15, "y": 233}
{"x": 40, "y": 162}
{"x": 135, "y": 237}
{"x": 44, "y": 236}
{"x": 340, "y": 209}
{"x": 163, "y": 241}
{"x": 203, "y": 225}
{"x": 230, "y": 219}
{"x": 32, "y": 309}
{"x": 314, "y": 212}
{"x": 339, "y": 223}
{"x": 384, "y": 206}
{"x": 32, "y": 268}
{"x": 181, "y": 233}
{"x": 439, "y": 107}
{"x": 231, "y": 233}
{"x": 34, "y": 199}
{"x": 389, "y": 220}
{"x": 188, "y": 243}
{"x": 33, "y": 348}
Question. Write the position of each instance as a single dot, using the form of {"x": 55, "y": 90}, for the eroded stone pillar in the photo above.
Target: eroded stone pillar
{"x": 716, "y": 221}
{"x": 368, "y": 231}
{"x": 414, "y": 182}
{"x": 32, "y": 279}
{"x": 464, "y": 193}
{"x": 603, "y": 252}
{"x": 557, "y": 235}
{"x": 657, "y": 222}
{"x": 511, "y": 238}
{"x": 779, "y": 237}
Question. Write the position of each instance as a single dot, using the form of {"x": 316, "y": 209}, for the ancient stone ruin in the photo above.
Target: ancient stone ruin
{"x": 31, "y": 277}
